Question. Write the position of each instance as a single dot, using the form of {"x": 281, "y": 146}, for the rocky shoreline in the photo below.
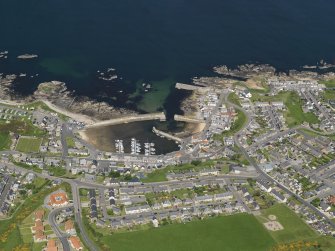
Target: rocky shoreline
{"x": 253, "y": 76}
{"x": 57, "y": 94}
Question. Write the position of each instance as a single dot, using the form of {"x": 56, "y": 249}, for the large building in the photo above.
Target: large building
{"x": 58, "y": 199}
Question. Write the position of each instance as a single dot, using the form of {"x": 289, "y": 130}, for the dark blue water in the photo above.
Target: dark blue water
{"x": 158, "y": 42}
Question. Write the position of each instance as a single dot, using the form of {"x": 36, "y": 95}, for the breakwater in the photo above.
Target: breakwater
{"x": 128, "y": 119}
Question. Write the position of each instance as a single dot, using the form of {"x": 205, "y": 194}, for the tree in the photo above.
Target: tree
{"x": 114, "y": 174}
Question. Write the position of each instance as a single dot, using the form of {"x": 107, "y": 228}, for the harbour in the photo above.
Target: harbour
{"x": 134, "y": 138}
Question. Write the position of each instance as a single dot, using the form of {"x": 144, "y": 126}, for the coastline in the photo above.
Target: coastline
{"x": 76, "y": 116}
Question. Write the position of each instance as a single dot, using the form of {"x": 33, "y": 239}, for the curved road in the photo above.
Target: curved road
{"x": 61, "y": 235}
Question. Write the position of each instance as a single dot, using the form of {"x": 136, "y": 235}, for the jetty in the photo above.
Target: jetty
{"x": 188, "y": 119}
{"x": 200, "y": 89}
{"x": 166, "y": 135}
{"x": 128, "y": 119}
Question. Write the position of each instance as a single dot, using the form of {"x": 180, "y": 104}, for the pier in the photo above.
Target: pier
{"x": 200, "y": 89}
{"x": 166, "y": 135}
{"x": 133, "y": 118}
{"x": 188, "y": 119}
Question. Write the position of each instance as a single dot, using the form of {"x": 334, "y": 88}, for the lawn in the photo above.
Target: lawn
{"x": 295, "y": 115}
{"x": 28, "y": 145}
{"x": 235, "y": 127}
{"x": 233, "y": 98}
{"x": 328, "y": 83}
{"x": 70, "y": 142}
{"x": 25, "y": 128}
{"x": 294, "y": 227}
{"x": 240, "y": 232}
{"x": 5, "y": 141}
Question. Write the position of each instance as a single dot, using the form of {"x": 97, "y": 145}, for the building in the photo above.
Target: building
{"x": 51, "y": 246}
{"x": 69, "y": 227}
{"x": 331, "y": 200}
{"x": 58, "y": 199}
{"x": 75, "y": 243}
{"x": 39, "y": 214}
{"x": 39, "y": 236}
{"x": 38, "y": 226}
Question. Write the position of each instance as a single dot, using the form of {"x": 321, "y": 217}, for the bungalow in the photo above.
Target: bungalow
{"x": 324, "y": 206}
{"x": 38, "y": 226}
{"x": 244, "y": 191}
{"x": 278, "y": 196}
{"x": 264, "y": 185}
{"x": 249, "y": 198}
{"x": 75, "y": 243}
{"x": 39, "y": 236}
{"x": 69, "y": 227}
{"x": 51, "y": 246}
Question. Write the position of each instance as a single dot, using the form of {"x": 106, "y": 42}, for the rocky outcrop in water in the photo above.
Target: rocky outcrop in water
{"x": 57, "y": 93}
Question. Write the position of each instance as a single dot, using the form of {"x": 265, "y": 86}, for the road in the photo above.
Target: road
{"x": 65, "y": 133}
{"x": 237, "y": 195}
{"x": 102, "y": 202}
{"x": 63, "y": 237}
{"x": 284, "y": 188}
{"x": 77, "y": 214}
{"x": 6, "y": 189}
{"x": 76, "y": 203}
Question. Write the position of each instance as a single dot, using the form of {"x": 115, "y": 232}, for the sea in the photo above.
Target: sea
{"x": 157, "y": 42}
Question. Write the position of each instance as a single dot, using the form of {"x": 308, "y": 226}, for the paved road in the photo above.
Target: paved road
{"x": 284, "y": 188}
{"x": 6, "y": 190}
{"x": 77, "y": 215}
{"x": 237, "y": 195}
{"x": 63, "y": 237}
{"x": 64, "y": 134}
{"x": 102, "y": 202}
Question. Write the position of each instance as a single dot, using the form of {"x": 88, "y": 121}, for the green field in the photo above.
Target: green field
{"x": 233, "y": 98}
{"x": 294, "y": 227}
{"x": 28, "y": 145}
{"x": 5, "y": 141}
{"x": 25, "y": 128}
{"x": 295, "y": 115}
{"x": 70, "y": 142}
{"x": 328, "y": 83}
{"x": 240, "y": 232}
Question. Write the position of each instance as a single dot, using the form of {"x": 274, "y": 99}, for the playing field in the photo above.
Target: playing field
{"x": 28, "y": 145}
{"x": 294, "y": 227}
{"x": 240, "y": 232}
